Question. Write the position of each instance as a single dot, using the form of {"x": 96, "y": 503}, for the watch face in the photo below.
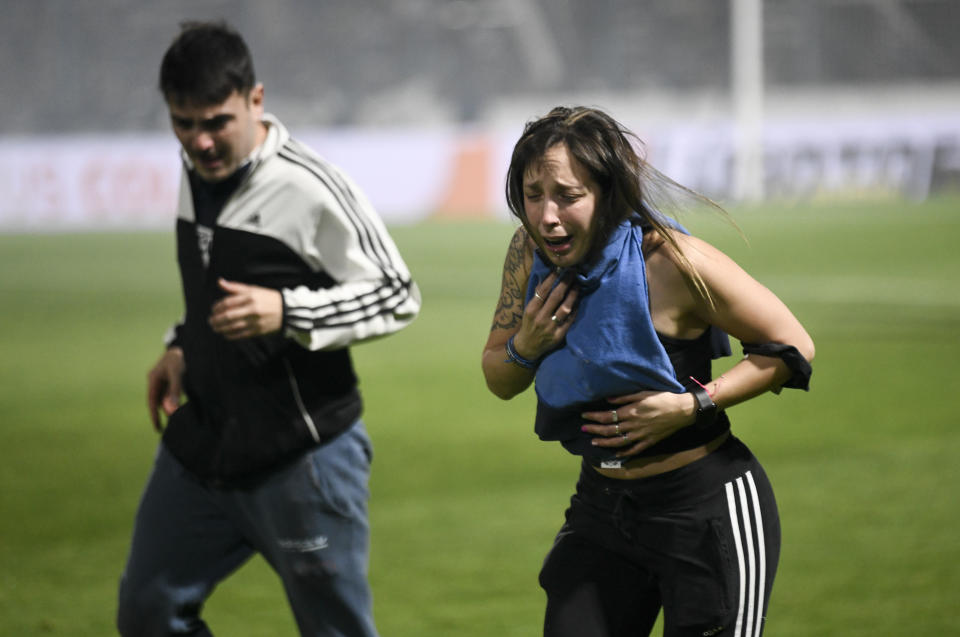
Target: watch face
{"x": 706, "y": 408}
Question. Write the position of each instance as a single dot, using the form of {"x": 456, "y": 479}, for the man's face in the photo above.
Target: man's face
{"x": 219, "y": 137}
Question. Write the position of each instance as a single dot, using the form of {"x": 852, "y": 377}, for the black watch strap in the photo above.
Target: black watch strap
{"x": 706, "y": 408}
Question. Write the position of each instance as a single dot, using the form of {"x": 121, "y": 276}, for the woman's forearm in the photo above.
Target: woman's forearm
{"x": 750, "y": 377}
{"x": 504, "y": 378}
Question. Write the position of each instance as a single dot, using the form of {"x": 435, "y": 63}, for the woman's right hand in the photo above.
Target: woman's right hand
{"x": 546, "y": 317}
{"x": 531, "y": 325}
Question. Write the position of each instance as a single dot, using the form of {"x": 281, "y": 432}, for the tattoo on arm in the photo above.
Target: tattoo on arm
{"x": 514, "y": 287}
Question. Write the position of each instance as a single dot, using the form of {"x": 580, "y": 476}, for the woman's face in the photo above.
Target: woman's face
{"x": 559, "y": 201}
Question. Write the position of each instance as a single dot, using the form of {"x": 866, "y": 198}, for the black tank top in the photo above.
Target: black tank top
{"x": 690, "y": 357}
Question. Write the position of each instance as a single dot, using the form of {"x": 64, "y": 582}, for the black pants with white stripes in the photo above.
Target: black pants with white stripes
{"x": 701, "y": 542}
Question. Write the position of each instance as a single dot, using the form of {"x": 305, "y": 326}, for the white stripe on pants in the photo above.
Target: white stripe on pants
{"x": 742, "y": 500}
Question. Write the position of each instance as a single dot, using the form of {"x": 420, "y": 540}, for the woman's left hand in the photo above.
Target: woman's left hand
{"x": 640, "y": 420}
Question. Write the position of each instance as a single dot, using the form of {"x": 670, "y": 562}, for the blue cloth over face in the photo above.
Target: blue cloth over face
{"x": 612, "y": 347}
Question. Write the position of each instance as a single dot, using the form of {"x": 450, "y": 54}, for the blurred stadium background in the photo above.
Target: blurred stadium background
{"x": 90, "y": 65}
{"x": 421, "y": 100}
{"x": 848, "y": 97}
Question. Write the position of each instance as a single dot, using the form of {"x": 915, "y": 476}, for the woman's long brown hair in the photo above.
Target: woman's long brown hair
{"x": 610, "y": 152}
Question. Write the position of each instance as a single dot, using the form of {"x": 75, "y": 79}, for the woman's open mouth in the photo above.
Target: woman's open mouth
{"x": 558, "y": 244}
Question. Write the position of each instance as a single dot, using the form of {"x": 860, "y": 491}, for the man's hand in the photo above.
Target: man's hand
{"x": 247, "y": 310}
{"x": 164, "y": 385}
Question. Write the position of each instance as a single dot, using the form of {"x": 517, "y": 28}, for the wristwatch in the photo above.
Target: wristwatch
{"x": 706, "y": 408}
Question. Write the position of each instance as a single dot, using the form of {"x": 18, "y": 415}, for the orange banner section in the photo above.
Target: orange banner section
{"x": 467, "y": 192}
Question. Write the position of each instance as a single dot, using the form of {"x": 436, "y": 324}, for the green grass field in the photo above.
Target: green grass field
{"x": 465, "y": 500}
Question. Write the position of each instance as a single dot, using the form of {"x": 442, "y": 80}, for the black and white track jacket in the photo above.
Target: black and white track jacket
{"x": 296, "y": 224}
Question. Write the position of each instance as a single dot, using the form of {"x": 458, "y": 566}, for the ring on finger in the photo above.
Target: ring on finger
{"x": 624, "y": 436}
{"x": 537, "y": 294}
{"x": 616, "y": 416}
{"x": 554, "y": 319}
{"x": 617, "y": 429}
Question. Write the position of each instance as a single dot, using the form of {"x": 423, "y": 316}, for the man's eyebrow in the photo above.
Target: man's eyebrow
{"x": 216, "y": 120}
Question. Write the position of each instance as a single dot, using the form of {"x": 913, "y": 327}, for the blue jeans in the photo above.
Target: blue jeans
{"x": 308, "y": 520}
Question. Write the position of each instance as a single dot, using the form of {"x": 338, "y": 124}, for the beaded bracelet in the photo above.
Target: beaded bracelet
{"x": 514, "y": 357}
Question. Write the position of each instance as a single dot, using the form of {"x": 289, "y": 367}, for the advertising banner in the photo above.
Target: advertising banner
{"x": 79, "y": 183}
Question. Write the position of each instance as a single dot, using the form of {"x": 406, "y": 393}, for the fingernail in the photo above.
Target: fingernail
{"x": 584, "y": 428}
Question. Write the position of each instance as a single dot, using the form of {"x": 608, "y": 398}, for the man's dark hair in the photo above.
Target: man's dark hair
{"x": 205, "y": 64}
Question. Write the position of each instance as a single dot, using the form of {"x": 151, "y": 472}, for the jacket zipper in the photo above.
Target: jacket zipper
{"x": 300, "y": 404}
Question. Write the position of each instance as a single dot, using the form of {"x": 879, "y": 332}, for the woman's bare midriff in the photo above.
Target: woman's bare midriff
{"x": 645, "y": 467}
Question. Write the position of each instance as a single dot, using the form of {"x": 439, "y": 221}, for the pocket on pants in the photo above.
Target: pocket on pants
{"x": 340, "y": 472}
{"x": 701, "y": 590}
